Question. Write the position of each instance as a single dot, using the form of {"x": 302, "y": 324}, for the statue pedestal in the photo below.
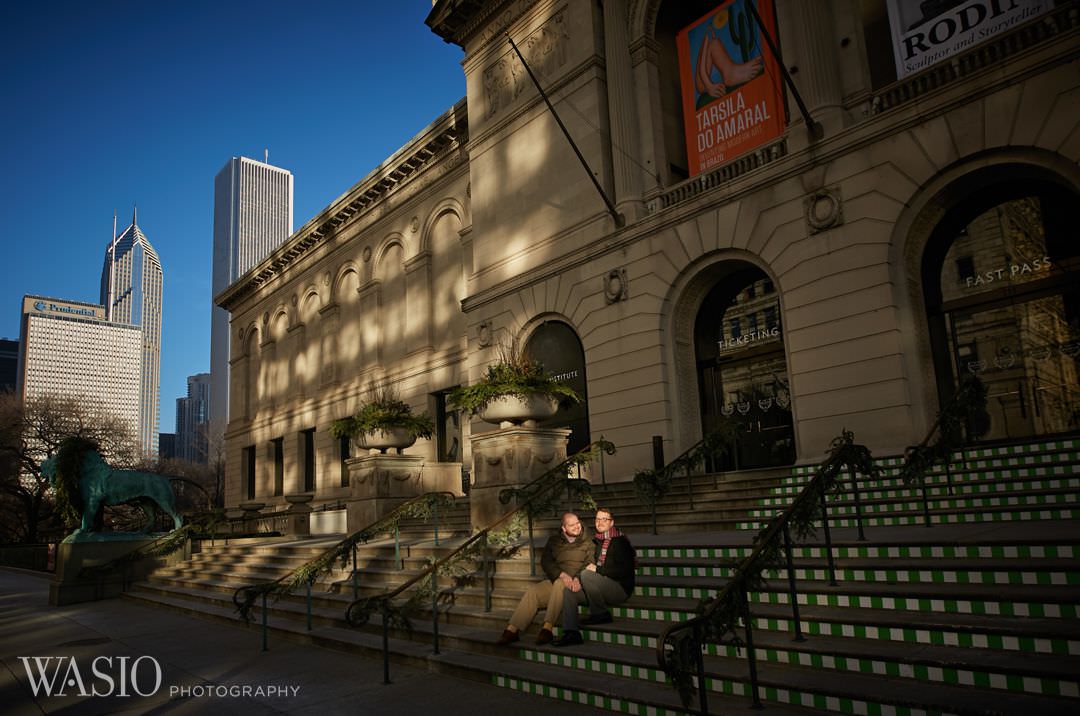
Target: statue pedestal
{"x": 68, "y": 587}
{"x": 510, "y": 457}
{"x": 379, "y": 483}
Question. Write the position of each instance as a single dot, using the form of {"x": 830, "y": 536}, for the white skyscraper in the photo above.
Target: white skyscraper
{"x": 252, "y": 216}
{"x": 68, "y": 349}
{"x": 131, "y": 291}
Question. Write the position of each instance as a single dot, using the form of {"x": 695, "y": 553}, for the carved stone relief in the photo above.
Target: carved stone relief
{"x": 616, "y": 286}
{"x": 824, "y": 209}
{"x": 545, "y": 51}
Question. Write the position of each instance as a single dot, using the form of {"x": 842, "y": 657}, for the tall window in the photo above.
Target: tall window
{"x": 344, "y": 453}
{"x": 279, "y": 466}
{"x": 249, "y": 470}
{"x": 309, "y": 459}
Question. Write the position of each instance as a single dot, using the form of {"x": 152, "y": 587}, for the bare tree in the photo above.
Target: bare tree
{"x": 32, "y": 431}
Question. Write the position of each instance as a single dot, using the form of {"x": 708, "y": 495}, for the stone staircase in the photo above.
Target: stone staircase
{"x": 977, "y": 614}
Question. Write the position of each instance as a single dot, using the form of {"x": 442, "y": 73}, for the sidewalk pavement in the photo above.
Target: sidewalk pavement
{"x": 205, "y": 666}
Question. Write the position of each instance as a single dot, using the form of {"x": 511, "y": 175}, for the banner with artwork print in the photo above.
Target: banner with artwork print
{"x": 732, "y": 92}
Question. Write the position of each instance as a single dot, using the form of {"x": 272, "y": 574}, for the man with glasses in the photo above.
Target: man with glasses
{"x": 606, "y": 582}
{"x": 565, "y": 557}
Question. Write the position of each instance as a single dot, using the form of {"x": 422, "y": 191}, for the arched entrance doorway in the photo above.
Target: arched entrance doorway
{"x": 741, "y": 367}
{"x": 556, "y": 346}
{"x": 1001, "y": 275}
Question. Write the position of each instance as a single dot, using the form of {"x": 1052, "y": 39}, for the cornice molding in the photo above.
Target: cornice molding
{"x": 435, "y": 143}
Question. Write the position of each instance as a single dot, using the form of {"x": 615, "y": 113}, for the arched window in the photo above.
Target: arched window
{"x": 742, "y": 369}
{"x": 1001, "y": 275}
{"x": 557, "y": 347}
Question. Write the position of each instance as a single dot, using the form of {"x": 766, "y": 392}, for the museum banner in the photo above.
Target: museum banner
{"x": 732, "y": 90}
{"x": 927, "y": 32}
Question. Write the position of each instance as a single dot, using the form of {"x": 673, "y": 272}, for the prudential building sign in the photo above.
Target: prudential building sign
{"x": 62, "y": 308}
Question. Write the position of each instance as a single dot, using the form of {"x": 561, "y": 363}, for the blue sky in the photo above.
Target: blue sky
{"x": 115, "y": 102}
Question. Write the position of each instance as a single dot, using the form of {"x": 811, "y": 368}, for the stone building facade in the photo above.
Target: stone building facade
{"x": 807, "y": 286}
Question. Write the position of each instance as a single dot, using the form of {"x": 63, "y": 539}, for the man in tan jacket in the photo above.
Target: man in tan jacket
{"x": 565, "y": 556}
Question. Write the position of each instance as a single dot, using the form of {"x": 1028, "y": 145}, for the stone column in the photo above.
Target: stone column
{"x": 510, "y": 457}
{"x": 379, "y": 483}
{"x": 812, "y": 36}
{"x": 621, "y": 115}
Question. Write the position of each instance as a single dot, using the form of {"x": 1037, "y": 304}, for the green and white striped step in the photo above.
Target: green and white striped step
{"x": 876, "y": 666}
{"x": 942, "y": 503}
{"x": 983, "y": 452}
{"x": 808, "y": 699}
{"x": 839, "y": 628}
{"x": 924, "y": 673}
{"x": 941, "y": 519}
{"x": 974, "y": 487}
{"x": 935, "y": 605}
{"x": 959, "y": 478}
{"x": 890, "y": 467}
{"x": 886, "y": 575}
{"x": 870, "y": 551}
{"x": 1063, "y": 463}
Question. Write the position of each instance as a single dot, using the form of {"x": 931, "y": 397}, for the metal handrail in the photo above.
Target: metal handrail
{"x": 432, "y": 571}
{"x": 766, "y": 544}
{"x": 688, "y": 460}
{"x": 957, "y": 407}
{"x": 264, "y": 588}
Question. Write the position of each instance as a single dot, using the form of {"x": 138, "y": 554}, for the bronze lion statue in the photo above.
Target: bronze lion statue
{"x": 99, "y": 485}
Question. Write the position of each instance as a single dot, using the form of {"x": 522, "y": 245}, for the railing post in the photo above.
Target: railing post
{"x": 309, "y": 606}
{"x": 751, "y": 657}
{"x": 948, "y": 474}
{"x": 532, "y": 547}
{"x": 654, "y": 516}
{"x": 828, "y": 540}
{"x": 265, "y": 647}
{"x": 355, "y": 580}
{"x": 690, "y": 484}
{"x": 435, "y": 519}
{"x": 484, "y": 572}
{"x": 658, "y": 452}
{"x": 603, "y": 478}
{"x": 794, "y": 596}
{"x": 397, "y": 548}
{"x": 435, "y": 608}
{"x": 925, "y": 502}
{"x": 858, "y": 504}
{"x": 703, "y": 698}
{"x": 386, "y": 641}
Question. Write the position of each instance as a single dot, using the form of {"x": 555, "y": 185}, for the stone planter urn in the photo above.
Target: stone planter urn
{"x": 509, "y": 410}
{"x": 383, "y": 440}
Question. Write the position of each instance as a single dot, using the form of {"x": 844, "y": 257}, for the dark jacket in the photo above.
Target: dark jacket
{"x": 619, "y": 563}
{"x": 562, "y": 556}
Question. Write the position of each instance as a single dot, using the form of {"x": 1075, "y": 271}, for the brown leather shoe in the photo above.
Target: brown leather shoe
{"x": 508, "y": 637}
{"x": 544, "y": 637}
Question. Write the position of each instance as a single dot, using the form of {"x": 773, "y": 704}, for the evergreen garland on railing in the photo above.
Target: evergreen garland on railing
{"x": 718, "y": 617}
{"x": 651, "y": 485}
{"x": 964, "y": 413}
{"x": 421, "y": 507}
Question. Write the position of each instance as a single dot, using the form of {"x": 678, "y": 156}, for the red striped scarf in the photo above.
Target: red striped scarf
{"x": 606, "y": 538}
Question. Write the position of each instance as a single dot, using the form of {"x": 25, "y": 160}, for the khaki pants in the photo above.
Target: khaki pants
{"x": 539, "y": 595}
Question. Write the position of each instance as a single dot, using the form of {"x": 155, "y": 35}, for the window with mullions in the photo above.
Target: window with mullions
{"x": 1004, "y": 304}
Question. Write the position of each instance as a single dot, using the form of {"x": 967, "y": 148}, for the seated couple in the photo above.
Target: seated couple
{"x": 598, "y": 572}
